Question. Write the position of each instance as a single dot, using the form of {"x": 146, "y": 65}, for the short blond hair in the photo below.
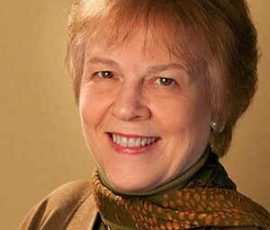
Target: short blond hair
{"x": 227, "y": 50}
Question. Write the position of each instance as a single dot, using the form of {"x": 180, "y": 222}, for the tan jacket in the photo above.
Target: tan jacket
{"x": 70, "y": 207}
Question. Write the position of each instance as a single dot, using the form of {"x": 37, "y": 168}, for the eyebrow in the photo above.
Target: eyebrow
{"x": 97, "y": 60}
{"x": 150, "y": 69}
{"x": 160, "y": 68}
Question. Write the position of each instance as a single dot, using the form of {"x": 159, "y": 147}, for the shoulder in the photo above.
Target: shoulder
{"x": 58, "y": 209}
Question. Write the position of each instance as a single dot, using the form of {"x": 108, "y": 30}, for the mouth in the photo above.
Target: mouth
{"x": 132, "y": 144}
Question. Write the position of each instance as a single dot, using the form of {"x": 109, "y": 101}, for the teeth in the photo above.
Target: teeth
{"x": 138, "y": 142}
{"x": 124, "y": 141}
{"x": 148, "y": 141}
{"x": 114, "y": 139}
{"x": 132, "y": 142}
{"x": 144, "y": 140}
{"x": 117, "y": 139}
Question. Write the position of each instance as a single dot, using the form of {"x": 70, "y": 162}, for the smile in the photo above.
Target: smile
{"x": 122, "y": 142}
{"x": 132, "y": 142}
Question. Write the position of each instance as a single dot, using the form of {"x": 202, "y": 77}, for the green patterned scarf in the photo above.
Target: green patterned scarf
{"x": 201, "y": 196}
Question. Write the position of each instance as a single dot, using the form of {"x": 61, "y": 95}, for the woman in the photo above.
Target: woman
{"x": 159, "y": 85}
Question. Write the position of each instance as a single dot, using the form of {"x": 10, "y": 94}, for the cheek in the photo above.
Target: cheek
{"x": 175, "y": 114}
{"x": 183, "y": 113}
{"x": 92, "y": 107}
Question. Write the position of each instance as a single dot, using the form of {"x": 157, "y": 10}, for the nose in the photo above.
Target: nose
{"x": 130, "y": 104}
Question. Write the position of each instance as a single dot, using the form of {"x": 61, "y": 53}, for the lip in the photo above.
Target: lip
{"x": 132, "y": 150}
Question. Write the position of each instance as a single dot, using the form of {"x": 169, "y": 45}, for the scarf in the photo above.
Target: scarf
{"x": 202, "y": 196}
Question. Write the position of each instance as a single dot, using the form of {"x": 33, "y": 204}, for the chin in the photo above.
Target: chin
{"x": 131, "y": 183}
{"x": 131, "y": 187}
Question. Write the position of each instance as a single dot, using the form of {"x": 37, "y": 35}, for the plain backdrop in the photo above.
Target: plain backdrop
{"x": 40, "y": 138}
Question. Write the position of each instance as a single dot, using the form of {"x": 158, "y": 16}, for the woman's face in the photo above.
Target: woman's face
{"x": 144, "y": 116}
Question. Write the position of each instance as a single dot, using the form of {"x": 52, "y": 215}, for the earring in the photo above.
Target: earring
{"x": 217, "y": 128}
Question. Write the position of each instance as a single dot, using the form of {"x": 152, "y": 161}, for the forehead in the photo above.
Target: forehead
{"x": 139, "y": 45}
{"x": 137, "y": 42}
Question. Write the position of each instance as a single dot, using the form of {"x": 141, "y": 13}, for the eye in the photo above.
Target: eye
{"x": 105, "y": 74}
{"x": 165, "y": 81}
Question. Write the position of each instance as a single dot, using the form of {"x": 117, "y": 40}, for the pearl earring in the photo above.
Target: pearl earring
{"x": 217, "y": 128}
